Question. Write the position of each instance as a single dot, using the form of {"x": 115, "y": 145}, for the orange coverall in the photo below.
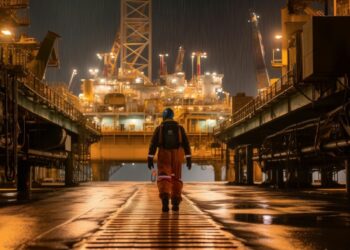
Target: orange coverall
{"x": 169, "y": 161}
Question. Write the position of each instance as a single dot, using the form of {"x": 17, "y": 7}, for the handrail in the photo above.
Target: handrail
{"x": 263, "y": 98}
{"x": 55, "y": 100}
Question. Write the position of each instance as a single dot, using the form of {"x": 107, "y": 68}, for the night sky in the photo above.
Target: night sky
{"x": 218, "y": 27}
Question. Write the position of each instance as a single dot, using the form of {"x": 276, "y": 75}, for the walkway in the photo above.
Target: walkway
{"x": 140, "y": 224}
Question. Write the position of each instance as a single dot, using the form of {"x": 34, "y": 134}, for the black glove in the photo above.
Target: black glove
{"x": 150, "y": 162}
{"x": 189, "y": 163}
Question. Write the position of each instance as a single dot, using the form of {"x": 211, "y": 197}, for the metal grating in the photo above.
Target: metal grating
{"x": 142, "y": 225}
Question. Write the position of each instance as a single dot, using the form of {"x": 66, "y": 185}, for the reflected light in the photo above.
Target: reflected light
{"x": 267, "y": 219}
{"x": 6, "y": 32}
{"x": 278, "y": 37}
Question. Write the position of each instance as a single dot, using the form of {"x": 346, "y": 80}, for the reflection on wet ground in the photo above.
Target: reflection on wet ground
{"x": 260, "y": 218}
{"x": 270, "y": 219}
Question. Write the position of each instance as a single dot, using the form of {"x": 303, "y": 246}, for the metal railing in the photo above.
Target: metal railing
{"x": 263, "y": 98}
{"x": 54, "y": 100}
{"x": 13, "y": 3}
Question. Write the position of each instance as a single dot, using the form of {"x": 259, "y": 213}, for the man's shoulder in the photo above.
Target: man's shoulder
{"x": 169, "y": 122}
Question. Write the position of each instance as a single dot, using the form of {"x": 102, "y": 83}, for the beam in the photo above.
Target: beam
{"x": 48, "y": 114}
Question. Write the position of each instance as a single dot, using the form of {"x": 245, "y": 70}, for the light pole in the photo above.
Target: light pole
{"x": 192, "y": 58}
{"x": 74, "y": 73}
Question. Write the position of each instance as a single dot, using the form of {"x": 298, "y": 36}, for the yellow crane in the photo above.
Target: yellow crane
{"x": 110, "y": 59}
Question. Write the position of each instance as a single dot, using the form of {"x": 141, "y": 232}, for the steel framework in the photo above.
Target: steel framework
{"x": 136, "y": 36}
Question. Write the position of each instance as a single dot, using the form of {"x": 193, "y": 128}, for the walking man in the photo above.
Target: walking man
{"x": 171, "y": 140}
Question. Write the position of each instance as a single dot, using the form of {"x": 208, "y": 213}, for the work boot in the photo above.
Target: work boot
{"x": 165, "y": 203}
{"x": 175, "y": 202}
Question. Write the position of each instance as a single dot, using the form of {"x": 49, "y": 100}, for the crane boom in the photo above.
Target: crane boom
{"x": 262, "y": 75}
{"x": 179, "y": 60}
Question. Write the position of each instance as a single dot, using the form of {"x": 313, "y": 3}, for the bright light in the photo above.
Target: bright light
{"x": 278, "y": 50}
{"x": 6, "y": 32}
{"x": 93, "y": 71}
{"x": 138, "y": 80}
{"x": 99, "y": 56}
{"x": 219, "y": 90}
{"x": 214, "y": 73}
{"x": 278, "y": 37}
{"x": 207, "y": 73}
{"x": 180, "y": 89}
{"x": 174, "y": 80}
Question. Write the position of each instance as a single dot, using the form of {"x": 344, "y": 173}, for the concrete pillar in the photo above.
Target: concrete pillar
{"x": 347, "y": 171}
{"x": 250, "y": 167}
{"x": 326, "y": 178}
{"x": 23, "y": 180}
{"x": 279, "y": 177}
{"x": 305, "y": 177}
{"x": 236, "y": 167}
{"x": 69, "y": 169}
{"x": 217, "y": 171}
{"x": 227, "y": 162}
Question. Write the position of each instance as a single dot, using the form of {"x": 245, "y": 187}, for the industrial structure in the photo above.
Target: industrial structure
{"x": 43, "y": 135}
{"x": 299, "y": 124}
{"x": 128, "y": 106}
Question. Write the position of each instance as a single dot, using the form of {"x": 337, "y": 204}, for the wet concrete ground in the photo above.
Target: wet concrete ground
{"x": 260, "y": 218}
{"x": 269, "y": 219}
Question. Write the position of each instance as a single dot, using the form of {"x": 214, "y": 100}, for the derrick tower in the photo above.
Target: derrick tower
{"x": 136, "y": 37}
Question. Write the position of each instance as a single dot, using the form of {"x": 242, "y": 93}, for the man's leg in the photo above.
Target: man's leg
{"x": 164, "y": 177}
{"x": 177, "y": 157}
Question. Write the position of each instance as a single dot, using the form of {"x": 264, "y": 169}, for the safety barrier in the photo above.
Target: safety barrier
{"x": 55, "y": 100}
{"x": 13, "y": 3}
{"x": 263, "y": 98}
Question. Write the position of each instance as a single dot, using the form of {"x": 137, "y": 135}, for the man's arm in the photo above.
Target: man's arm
{"x": 154, "y": 143}
{"x": 187, "y": 148}
{"x": 185, "y": 142}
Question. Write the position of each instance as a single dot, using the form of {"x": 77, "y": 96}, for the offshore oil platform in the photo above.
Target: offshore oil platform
{"x": 127, "y": 105}
{"x": 117, "y": 111}
{"x": 297, "y": 125}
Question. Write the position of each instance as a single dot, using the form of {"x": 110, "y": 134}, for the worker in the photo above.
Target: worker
{"x": 171, "y": 140}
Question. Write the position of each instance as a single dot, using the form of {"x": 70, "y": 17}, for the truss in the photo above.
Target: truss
{"x": 136, "y": 36}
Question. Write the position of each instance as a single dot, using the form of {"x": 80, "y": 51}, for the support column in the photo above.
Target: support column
{"x": 326, "y": 177}
{"x": 347, "y": 170}
{"x": 305, "y": 177}
{"x": 69, "y": 169}
{"x": 227, "y": 162}
{"x": 23, "y": 180}
{"x": 236, "y": 166}
{"x": 273, "y": 175}
{"x": 279, "y": 176}
{"x": 217, "y": 171}
{"x": 249, "y": 161}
